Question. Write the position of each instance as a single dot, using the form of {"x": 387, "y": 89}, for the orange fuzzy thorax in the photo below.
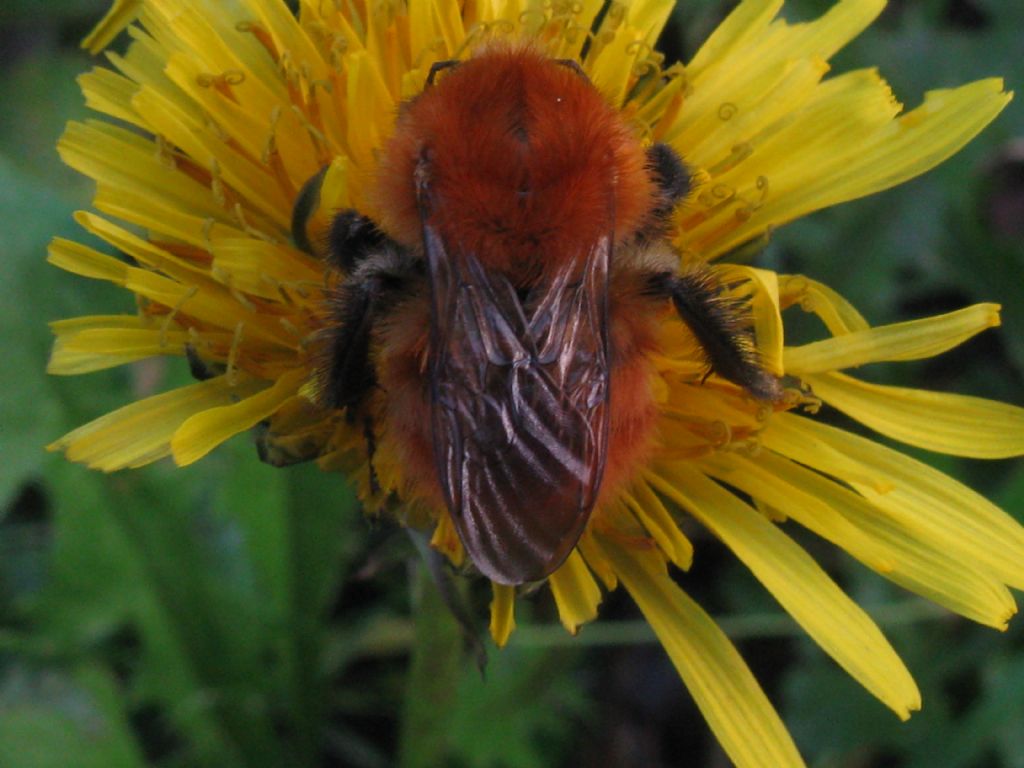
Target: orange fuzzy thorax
{"x": 527, "y": 162}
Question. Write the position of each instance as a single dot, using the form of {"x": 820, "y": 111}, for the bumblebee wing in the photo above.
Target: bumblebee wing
{"x": 519, "y": 406}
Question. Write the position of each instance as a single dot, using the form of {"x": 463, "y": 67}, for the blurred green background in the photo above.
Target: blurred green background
{"x": 231, "y": 614}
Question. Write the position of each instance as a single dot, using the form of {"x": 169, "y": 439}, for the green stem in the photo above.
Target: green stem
{"x": 396, "y": 636}
{"x": 432, "y": 683}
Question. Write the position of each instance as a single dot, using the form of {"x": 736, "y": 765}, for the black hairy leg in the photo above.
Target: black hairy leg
{"x": 671, "y": 176}
{"x": 346, "y": 369}
{"x": 346, "y": 373}
{"x": 720, "y": 327}
{"x": 352, "y": 237}
{"x": 201, "y": 369}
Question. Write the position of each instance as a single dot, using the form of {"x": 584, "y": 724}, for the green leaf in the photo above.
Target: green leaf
{"x": 523, "y": 713}
{"x": 300, "y": 528}
{"x": 49, "y": 718}
{"x": 142, "y": 550}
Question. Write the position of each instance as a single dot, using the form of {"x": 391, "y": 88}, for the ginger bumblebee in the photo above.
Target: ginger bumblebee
{"x": 508, "y": 297}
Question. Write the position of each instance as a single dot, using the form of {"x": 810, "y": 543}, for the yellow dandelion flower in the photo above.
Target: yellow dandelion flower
{"x": 223, "y": 112}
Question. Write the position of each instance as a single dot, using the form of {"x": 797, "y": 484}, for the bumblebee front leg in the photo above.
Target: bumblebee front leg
{"x": 347, "y": 372}
{"x": 720, "y": 327}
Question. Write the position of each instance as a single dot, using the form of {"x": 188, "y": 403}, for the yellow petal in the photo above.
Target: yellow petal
{"x": 747, "y": 21}
{"x": 205, "y": 430}
{"x": 96, "y": 349}
{"x": 835, "y": 621}
{"x": 111, "y": 93}
{"x": 263, "y": 269}
{"x": 140, "y": 433}
{"x": 911, "y": 340}
{"x": 576, "y": 593}
{"x": 503, "y": 620}
{"x": 649, "y": 16}
{"x": 956, "y": 424}
{"x": 203, "y": 299}
{"x": 367, "y": 88}
{"x": 446, "y": 539}
{"x": 254, "y": 182}
{"x": 764, "y": 305}
{"x": 81, "y": 260}
{"x": 653, "y": 516}
{"x": 126, "y": 161}
{"x": 120, "y": 15}
{"x": 838, "y": 315}
{"x": 765, "y": 480}
{"x": 597, "y": 561}
{"x": 931, "y": 506}
{"x": 721, "y": 684}
{"x": 838, "y": 514}
{"x": 612, "y": 67}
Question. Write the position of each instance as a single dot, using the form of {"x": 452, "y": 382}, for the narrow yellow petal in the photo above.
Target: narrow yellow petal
{"x": 649, "y": 16}
{"x": 612, "y": 68}
{"x": 827, "y": 34}
{"x": 140, "y": 433}
{"x": 200, "y": 297}
{"x": 793, "y": 578}
{"x": 597, "y": 561}
{"x": 926, "y": 136}
{"x": 912, "y": 340}
{"x": 161, "y": 220}
{"x": 721, "y": 684}
{"x": 96, "y": 349}
{"x": 931, "y": 506}
{"x": 937, "y": 421}
{"x": 289, "y": 35}
{"x": 121, "y": 14}
{"x": 764, "y": 305}
{"x": 503, "y": 620}
{"x": 205, "y": 430}
{"x": 838, "y": 514}
{"x": 765, "y": 480}
{"x": 746, "y": 22}
{"x": 446, "y": 539}
{"x": 131, "y": 163}
{"x": 576, "y": 593}
{"x": 81, "y": 260}
{"x": 262, "y": 269}
{"x": 653, "y": 516}
{"x": 111, "y": 93}
{"x": 72, "y": 325}
{"x": 141, "y": 250}
{"x": 367, "y": 88}
{"x": 838, "y": 315}
{"x": 253, "y": 182}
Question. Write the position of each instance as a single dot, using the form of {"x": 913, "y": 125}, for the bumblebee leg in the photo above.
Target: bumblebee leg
{"x": 371, "y": 449}
{"x": 201, "y": 369}
{"x": 347, "y": 374}
{"x": 352, "y": 239}
{"x": 718, "y": 324}
{"x": 283, "y": 451}
{"x": 672, "y": 177}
